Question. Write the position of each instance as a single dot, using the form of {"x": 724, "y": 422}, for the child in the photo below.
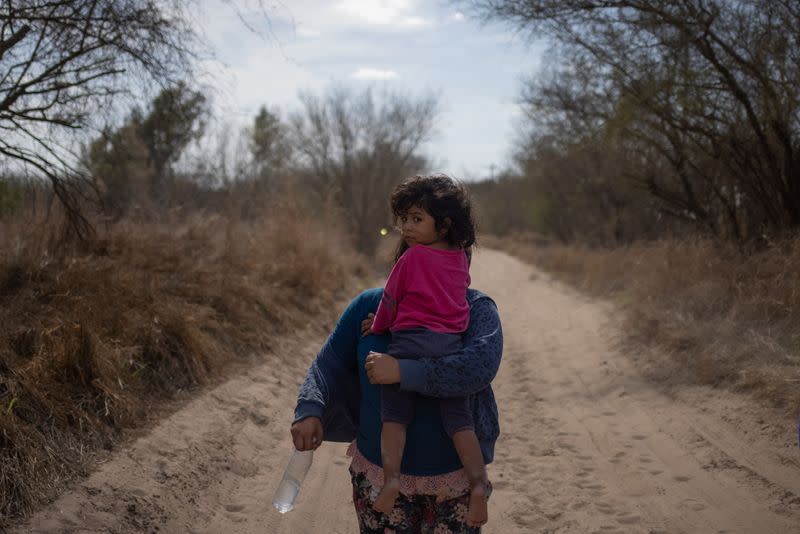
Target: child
{"x": 424, "y": 307}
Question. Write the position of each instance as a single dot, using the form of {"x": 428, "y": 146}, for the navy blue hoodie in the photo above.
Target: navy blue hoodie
{"x": 336, "y": 388}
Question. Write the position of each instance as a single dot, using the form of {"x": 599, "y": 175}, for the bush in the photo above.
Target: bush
{"x": 94, "y": 341}
{"x": 726, "y": 317}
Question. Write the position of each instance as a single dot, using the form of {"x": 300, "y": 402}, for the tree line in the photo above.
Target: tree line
{"x": 649, "y": 117}
{"x": 344, "y": 148}
{"x": 64, "y": 61}
{"x": 71, "y": 66}
{"x": 653, "y": 117}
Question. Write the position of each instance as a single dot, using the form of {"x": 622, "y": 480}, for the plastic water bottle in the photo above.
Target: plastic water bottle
{"x": 293, "y": 477}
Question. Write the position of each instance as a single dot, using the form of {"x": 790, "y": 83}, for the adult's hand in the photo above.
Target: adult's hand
{"x": 366, "y": 324}
{"x": 382, "y": 368}
{"x": 307, "y": 434}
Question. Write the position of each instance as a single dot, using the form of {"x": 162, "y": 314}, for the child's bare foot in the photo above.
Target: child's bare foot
{"x": 385, "y": 501}
{"x": 478, "y": 512}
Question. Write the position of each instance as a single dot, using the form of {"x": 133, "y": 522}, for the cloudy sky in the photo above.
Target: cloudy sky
{"x": 414, "y": 46}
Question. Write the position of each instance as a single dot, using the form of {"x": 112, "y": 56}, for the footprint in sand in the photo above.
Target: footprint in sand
{"x": 234, "y": 507}
{"x": 500, "y": 484}
{"x": 605, "y": 508}
{"x": 681, "y": 479}
{"x": 522, "y": 470}
{"x": 617, "y": 458}
{"x": 629, "y": 519}
{"x": 258, "y": 418}
{"x": 568, "y": 446}
{"x": 692, "y": 504}
{"x": 243, "y": 468}
{"x": 584, "y": 486}
{"x": 524, "y": 521}
{"x": 259, "y": 379}
{"x": 532, "y": 499}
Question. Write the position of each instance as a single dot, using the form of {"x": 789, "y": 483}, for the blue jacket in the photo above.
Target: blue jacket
{"x": 336, "y": 388}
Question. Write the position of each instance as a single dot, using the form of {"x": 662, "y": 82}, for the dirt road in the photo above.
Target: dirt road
{"x": 588, "y": 445}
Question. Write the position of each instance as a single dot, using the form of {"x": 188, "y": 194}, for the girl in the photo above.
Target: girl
{"x": 424, "y": 306}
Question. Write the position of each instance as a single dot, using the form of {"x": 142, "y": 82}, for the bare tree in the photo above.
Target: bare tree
{"x": 60, "y": 59}
{"x": 710, "y": 89}
{"x": 356, "y": 146}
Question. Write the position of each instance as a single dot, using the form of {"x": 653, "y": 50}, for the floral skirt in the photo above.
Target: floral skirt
{"x": 444, "y": 487}
{"x": 412, "y": 514}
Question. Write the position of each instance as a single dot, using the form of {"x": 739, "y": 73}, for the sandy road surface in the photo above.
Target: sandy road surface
{"x": 587, "y": 446}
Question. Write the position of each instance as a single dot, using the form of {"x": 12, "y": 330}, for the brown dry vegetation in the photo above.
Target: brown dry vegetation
{"x": 94, "y": 342}
{"x": 726, "y": 318}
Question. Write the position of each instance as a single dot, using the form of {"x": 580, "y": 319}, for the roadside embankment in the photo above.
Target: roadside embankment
{"x": 725, "y": 318}
{"x": 101, "y": 339}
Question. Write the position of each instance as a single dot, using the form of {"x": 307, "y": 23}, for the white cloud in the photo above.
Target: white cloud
{"x": 307, "y": 33}
{"x": 361, "y": 42}
{"x": 414, "y": 22}
{"x": 374, "y": 74}
{"x": 383, "y": 12}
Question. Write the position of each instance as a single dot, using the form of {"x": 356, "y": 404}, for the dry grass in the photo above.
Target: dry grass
{"x": 94, "y": 341}
{"x": 726, "y": 318}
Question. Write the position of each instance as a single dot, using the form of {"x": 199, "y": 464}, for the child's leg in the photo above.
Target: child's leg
{"x": 457, "y": 418}
{"x": 469, "y": 451}
{"x": 397, "y": 411}
{"x": 393, "y": 441}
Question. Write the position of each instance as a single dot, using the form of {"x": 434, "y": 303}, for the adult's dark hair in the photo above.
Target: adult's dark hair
{"x": 446, "y": 200}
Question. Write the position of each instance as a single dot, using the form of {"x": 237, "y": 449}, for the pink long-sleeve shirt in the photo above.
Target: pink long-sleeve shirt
{"x": 427, "y": 288}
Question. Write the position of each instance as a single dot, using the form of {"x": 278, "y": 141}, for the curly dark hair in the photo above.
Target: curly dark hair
{"x": 446, "y": 200}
